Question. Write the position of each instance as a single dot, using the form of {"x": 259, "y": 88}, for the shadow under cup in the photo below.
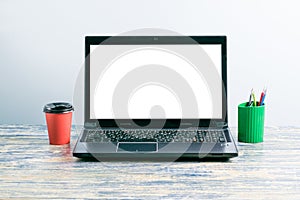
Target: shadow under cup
{"x": 251, "y": 123}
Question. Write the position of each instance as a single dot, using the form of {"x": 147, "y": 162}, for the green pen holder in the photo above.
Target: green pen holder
{"x": 251, "y": 123}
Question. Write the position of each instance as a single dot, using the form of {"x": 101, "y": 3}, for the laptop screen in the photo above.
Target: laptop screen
{"x": 159, "y": 81}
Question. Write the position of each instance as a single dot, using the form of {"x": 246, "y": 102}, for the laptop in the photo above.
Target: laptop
{"x": 155, "y": 97}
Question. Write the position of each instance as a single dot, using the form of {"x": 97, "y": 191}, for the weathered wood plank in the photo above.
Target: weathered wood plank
{"x": 31, "y": 168}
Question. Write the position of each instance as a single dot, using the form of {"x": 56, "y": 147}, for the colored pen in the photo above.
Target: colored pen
{"x": 250, "y": 98}
{"x": 263, "y": 98}
{"x": 250, "y": 104}
{"x": 254, "y": 100}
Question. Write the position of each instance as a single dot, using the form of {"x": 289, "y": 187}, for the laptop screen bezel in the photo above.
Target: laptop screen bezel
{"x": 148, "y": 40}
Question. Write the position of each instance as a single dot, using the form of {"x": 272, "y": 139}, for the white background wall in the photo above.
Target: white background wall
{"x": 41, "y": 48}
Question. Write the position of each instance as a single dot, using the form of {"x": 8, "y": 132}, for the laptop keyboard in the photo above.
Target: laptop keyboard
{"x": 155, "y": 135}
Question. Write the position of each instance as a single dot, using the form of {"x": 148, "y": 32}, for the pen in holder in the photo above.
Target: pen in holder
{"x": 251, "y": 123}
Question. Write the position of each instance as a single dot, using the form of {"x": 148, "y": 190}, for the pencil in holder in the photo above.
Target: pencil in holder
{"x": 251, "y": 123}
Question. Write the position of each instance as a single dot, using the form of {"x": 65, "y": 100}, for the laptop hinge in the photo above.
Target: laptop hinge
{"x": 220, "y": 124}
{"x": 90, "y": 125}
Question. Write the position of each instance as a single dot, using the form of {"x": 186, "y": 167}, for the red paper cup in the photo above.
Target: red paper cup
{"x": 59, "y": 121}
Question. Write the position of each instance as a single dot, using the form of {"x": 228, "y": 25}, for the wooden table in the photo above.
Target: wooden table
{"x": 31, "y": 168}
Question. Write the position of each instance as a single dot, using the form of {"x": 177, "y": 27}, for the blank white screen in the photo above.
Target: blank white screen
{"x": 152, "y": 99}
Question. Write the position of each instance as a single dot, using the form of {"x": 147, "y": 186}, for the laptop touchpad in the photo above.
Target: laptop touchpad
{"x": 137, "y": 146}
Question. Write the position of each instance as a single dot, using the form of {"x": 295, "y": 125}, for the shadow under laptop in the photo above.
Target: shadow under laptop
{"x": 181, "y": 159}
